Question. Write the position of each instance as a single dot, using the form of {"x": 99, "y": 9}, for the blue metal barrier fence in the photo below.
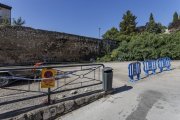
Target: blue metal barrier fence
{"x": 134, "y": 70}
{"x": 149, "y": 65}
{"x": 164, "y": 63}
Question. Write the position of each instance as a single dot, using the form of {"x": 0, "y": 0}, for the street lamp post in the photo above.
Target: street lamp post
{"x": 99, "y": 33}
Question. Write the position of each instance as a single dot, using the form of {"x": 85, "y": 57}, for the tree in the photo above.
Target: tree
{"x": 18, "y": 22}
{"x": 152, "y": 26}
{"x": 128, "y": 25}
{"x": 140, "y": 29}
{"x": 111, "y": 34}
{"x": 151, "y": 18}
{"x": 175, "y": 17}
{"x": 175, "y": 24}
{"x": 5, "y": 22}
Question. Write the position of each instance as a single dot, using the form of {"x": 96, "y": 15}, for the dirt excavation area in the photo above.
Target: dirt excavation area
{"x": 156, "y": 97}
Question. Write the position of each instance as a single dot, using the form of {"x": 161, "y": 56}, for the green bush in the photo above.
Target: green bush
{"x": 106, "y": 58}
{"x": 146, "y": 46}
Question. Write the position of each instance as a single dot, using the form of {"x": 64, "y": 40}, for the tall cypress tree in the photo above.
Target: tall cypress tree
{"x": 151, "y": 18}
{"x": 175, "y": 17}
{"x": 152, "y": 26}
{"x": 128, "y": 25}
{"x": 175, "y": 24}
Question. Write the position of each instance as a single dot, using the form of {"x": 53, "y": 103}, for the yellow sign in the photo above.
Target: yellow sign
{"x": 48, "y": 80}
{"x": 48, "y": 83}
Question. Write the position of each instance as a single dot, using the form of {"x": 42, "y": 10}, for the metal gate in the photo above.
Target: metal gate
{"x": 24, "y": 84}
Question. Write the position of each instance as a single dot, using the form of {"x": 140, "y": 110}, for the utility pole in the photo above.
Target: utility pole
{"x": 99, "y": 33}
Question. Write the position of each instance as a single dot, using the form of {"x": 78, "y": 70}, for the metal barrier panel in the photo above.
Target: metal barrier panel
{"x": 164, "y": 63}
{"x": 149, "y": 65}
{"x": 167, "y": 63}
{"x": 134, "y": 70}
{"x": 67, "y": 80}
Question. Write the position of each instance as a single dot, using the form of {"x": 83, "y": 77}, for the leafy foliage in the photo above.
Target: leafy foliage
{"x": 5, "y": 22}
{"x": 18, "y": 22}
{"x": 144, "y": 42}
{"x": 111, "y": 34}
{"x": 152, "y": 26}
{"x": 175, "y": 17}
{"x": 175, "y": 24}
{"x": 128, "y": 25}
{"x": 147, "y": 46}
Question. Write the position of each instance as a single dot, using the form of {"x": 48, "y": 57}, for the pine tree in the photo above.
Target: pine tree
{"x": 18, "y": 22}
{"x": 152, "y": 26}
{"x": 151, "y": 18}
{"x": 175, "y": 24}
{"x": 128, "y": 25}
{"x": 175, "y": 17}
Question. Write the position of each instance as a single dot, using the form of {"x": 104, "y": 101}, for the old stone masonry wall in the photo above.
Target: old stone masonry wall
{"x": 21, "y": 45}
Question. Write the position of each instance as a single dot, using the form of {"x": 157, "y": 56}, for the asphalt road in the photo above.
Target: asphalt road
{"x": 156, "y": 97}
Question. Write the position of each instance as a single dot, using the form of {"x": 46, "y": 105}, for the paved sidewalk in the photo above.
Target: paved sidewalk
{"x": 153, "y": 98}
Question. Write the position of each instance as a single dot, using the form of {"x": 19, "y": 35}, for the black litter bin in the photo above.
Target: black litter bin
{"x": 107, "y": 78}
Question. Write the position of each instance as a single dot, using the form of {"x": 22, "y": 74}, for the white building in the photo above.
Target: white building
{"x": 5, "y": 12}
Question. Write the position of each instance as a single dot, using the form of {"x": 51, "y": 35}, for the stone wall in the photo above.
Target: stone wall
{"x": 53, "y": 111}
{"x": 20, "y": 45}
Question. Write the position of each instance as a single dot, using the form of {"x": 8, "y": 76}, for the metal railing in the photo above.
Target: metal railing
{"x": 25, "y": 84}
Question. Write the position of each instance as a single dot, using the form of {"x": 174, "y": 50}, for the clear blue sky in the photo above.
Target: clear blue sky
{"x": 84, "y": 17}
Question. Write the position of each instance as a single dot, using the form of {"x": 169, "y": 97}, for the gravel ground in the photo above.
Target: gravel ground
{"x": 156, "y": 97}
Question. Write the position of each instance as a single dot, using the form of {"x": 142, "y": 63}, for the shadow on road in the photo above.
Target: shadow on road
{"x": 155, "y": 74}
{"x": 122, "y": 89}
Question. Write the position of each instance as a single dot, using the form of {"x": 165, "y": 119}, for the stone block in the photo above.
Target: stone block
{"x": 21, "y": 117}
{"x": 34, "y": 115}
{"x": 60, "y": 108}
{"x": 53, "y": 111}
{"x": 90, "y": 98}
{"x": 80, "y": 101}
{"x": 99, "y": 95}
{"x": 69, "y": 105}
{"x": 46, "y": 114}
{"x": 37, "y": 116}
